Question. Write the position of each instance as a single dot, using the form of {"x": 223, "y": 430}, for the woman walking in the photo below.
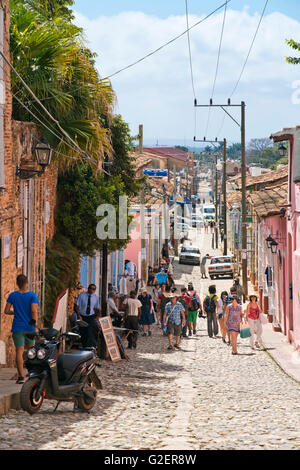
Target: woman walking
{"x": 220, "y": 313}
{"x": 253, "y": 318}
{"x": 147, "y": 312}
{"x": 233, "y": 318}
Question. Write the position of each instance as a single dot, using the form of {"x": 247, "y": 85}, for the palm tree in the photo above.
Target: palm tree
{"x": 53, "y": 60}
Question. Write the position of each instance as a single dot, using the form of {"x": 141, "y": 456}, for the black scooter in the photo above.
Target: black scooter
{"x": 64, "y": 377}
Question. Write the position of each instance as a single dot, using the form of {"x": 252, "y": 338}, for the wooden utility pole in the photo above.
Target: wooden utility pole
{"x": 225, "y": 197}
{"x": 144, "y": 266}
{"x": 175, "y": 212}
{"x": 216, "y": 205}
{"x": 244, "y": 201}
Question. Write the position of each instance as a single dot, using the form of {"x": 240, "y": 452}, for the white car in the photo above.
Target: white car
{"x": 221, "y": 266}
{"x": 190, "y": 255}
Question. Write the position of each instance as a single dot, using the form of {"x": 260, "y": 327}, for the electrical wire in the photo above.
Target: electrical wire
{"x": 217, "y": 67}
{"x": 167, "y": 43}
{"x": 246, "y": 61}
{"x": 189, "y": 46}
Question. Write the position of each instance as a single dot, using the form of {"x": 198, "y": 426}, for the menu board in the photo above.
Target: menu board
{"x": 110, "y": 338}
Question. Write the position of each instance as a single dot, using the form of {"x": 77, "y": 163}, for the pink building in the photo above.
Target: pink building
{"x": 291, "y": 293}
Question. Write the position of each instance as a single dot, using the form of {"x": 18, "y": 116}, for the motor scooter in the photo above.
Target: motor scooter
{"x": 62, "y": 376}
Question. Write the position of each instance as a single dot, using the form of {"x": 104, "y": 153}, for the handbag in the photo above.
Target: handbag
{"x": 245, "y": 331}
{"x": 263, "y": 319}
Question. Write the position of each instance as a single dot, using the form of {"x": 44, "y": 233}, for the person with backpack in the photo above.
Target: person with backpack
{"x": 184, "y": 299}
{"x": 164, "y": 298}
{"x": 210, "y": 308}
{"x": 194, "y": 305}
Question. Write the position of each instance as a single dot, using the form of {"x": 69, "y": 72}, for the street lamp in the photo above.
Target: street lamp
{"x": 282, "y": 150}
{"x": 43, "y": 154}
{"x": 269, "y": 240}
{"x": 274, "y": 247}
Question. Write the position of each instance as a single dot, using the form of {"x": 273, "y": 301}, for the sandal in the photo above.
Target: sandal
{"x": 170, "y": 348}
{"x": 177, "y": 346}
{"x": 20, "y": 380}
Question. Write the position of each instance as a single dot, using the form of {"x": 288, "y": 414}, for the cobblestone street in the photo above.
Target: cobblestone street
{"x": 199, "y": 398}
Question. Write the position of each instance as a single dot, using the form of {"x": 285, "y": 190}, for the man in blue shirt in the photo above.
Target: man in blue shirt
{"x": 162, "y": 277}
{"x": 174, "y": 319}
{"x": 24, "y": 304}
{"x": 85, "y": 308}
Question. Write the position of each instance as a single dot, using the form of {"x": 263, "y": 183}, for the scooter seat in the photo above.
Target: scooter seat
{"x": 70, "y": 360}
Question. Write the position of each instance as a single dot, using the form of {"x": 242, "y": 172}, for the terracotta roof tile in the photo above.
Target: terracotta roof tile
{"x": 268, "y": 201}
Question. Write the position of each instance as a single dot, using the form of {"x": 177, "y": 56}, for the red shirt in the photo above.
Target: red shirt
{"x": 254, "y": 313}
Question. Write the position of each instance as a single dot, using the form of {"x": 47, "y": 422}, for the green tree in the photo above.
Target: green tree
{"x": 296, "y": 46}
{"x": 81, "y": 191}
{"x": 123, "y": 162}
{"x": 51, "y": 56}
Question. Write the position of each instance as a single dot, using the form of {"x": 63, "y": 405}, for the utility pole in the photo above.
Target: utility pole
{"x": 104, "y": 249}
{"x": 242, "y": 126}
{"x": 144, "y": 266}
{"x": 244, "y": 202}
{"x": 175, "y": 212}
{"x": 216, "y": 205}
{"x": 225, "y": 197}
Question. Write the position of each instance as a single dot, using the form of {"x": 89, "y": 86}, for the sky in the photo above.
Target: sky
{"x": 158, "y": 91}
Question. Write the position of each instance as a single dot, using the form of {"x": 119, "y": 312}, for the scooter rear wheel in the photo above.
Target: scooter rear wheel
{"x": 85, "y": 402}
{"x": 28, "y": 396}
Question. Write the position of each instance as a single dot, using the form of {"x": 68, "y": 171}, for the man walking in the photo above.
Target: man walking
{"x": 174, "y": 318}
{"x": 203, "y": 266}
{"x": 24, "y": 304}
{"x": 184, "y": 300}
{"x": 85, "y": 308}
{"x": 210, "y": 308}
{"x": 133, "y": 311}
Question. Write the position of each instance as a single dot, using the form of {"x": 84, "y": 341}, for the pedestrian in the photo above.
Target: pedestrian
{"x": 227, "y": 302}
{"x": 210, "y": 307}
{"x": 162, "y": 277}
{"x": 151, "y": 276}
{"x": 233, "y": 318}
{"x": 184, "y": 299}
{"x": 113, "y": 310}
{"x": 203, "y": 266}
{"x": 253, "y": 318}
{"x": 205, "y": 226}
{"x": 211, "y": 224}
{"x": 220, "y": 313}
{"x": 147, "y": 312}
{"x": 155, "y": 297}
{"x": 194, "y": 305}
{"x": 133, "y": 312}
{"x": 22, "y": 304}
{"x": 85, "y": 309}
{"x": 239, "y": 289}
{"x": 174, "y": 320}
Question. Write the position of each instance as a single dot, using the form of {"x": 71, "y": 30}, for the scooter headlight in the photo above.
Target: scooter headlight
{"x": 41, "y": 354}
{"x": 31, "y": 353}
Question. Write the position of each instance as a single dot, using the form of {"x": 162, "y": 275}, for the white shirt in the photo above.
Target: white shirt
{"x": 220, "y": 306}
{"x": 133, "y": 307}
{"x": 111, "y": 305}
{"x": 131, "y": 268}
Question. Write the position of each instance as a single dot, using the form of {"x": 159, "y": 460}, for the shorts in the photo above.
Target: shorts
{"x": 173, "y": 329}
{"x": 192, "y": 317}
{"x": 20, "y": 339}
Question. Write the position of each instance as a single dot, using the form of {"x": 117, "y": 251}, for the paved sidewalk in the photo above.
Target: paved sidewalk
{"x": 9, "y": 391}
{"x": 284, "y": 354}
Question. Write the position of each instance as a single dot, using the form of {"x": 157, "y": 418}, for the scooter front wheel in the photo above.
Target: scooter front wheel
{"x": 29, "y": 399}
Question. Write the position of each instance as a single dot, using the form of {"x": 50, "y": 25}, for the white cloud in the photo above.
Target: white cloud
{"x": 158, "y": 93}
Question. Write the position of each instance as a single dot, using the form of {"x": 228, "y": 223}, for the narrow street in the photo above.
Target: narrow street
{"x": 199, "y": 398}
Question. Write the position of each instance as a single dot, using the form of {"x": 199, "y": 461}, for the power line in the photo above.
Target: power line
{"x": 167, "y": 43}
{"x": 246, "y": 61}
{"x": 189, "y": 46}
{"x": 217, "y": 66}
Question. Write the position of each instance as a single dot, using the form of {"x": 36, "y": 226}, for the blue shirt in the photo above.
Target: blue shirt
{"x": 82, "y": 303}
{"x": 162, "y": 278}
{"x": 21, "y": 303}
{"x": 174, "y": 312}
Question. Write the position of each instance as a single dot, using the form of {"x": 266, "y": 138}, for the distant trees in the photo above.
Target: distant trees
{"x": 296, "y": 46}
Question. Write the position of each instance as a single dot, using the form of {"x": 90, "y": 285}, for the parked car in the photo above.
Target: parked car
{"x": 221, "y": 266}
{"x": 190, "y": 255}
